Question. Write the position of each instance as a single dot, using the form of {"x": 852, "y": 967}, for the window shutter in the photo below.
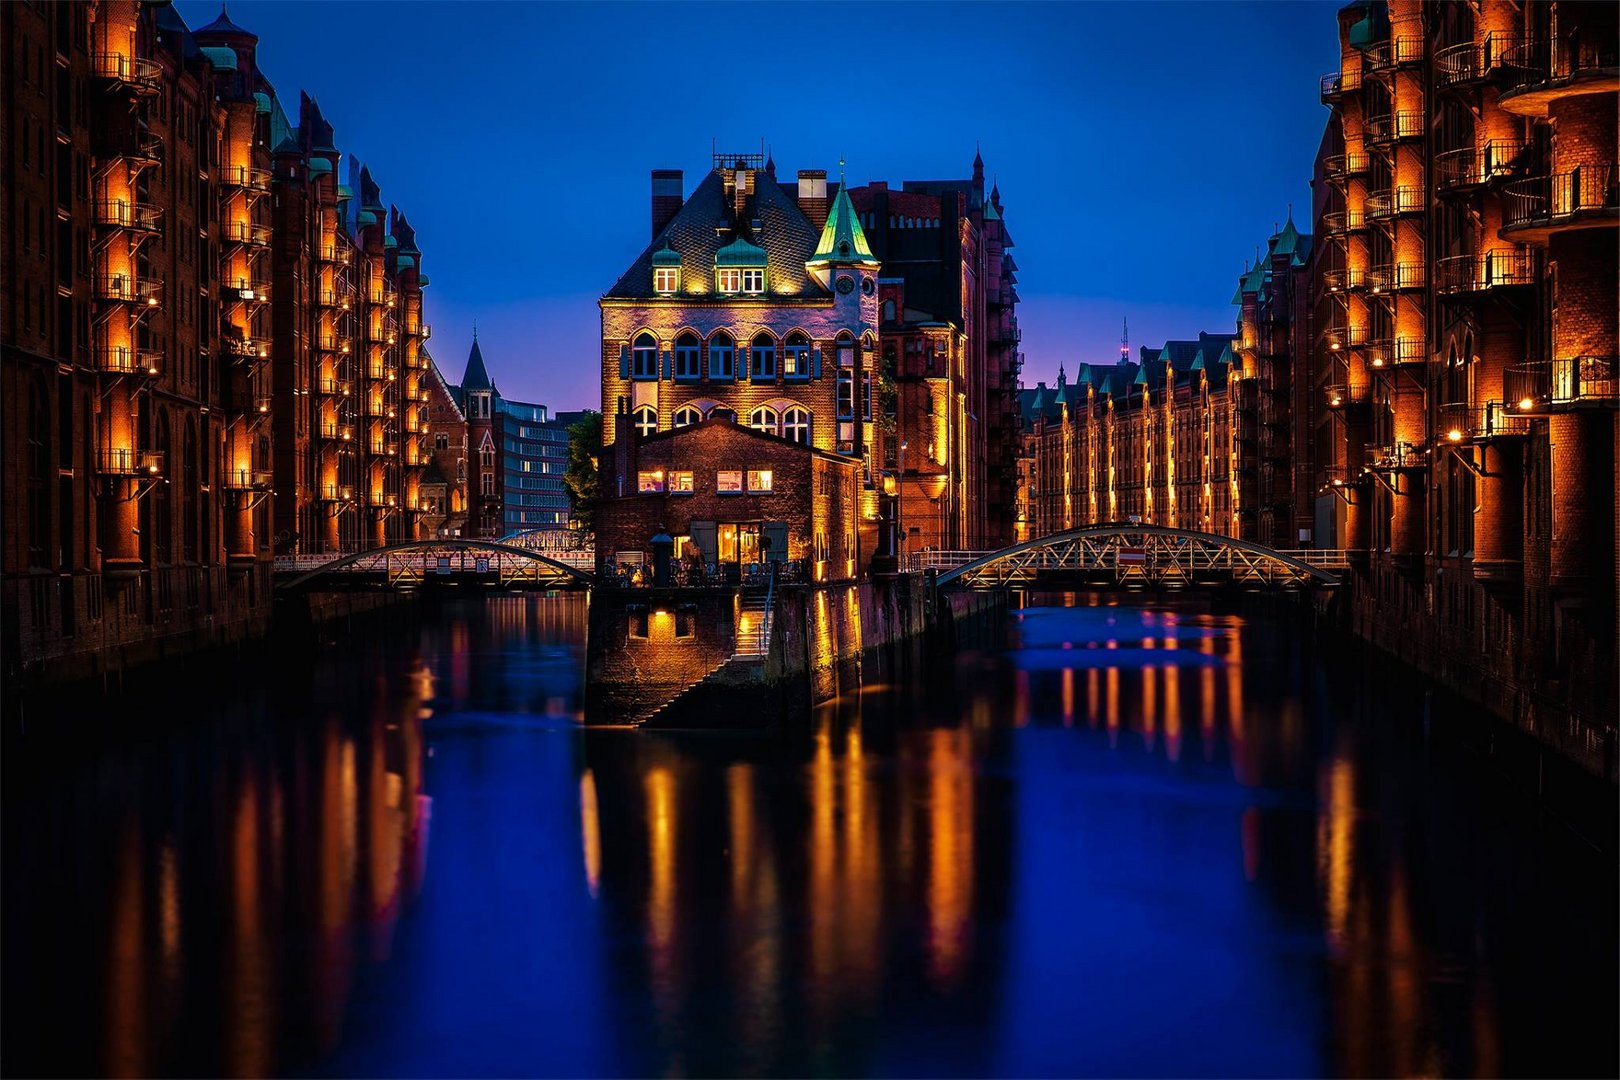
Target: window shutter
{"x": 705, "y": 537}
{"x": 669, "y": 364}
{"x": 624, "y": 361}
{"x": 818, "y": 364}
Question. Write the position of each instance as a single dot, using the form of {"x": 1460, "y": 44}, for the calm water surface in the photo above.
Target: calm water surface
{"x": 1133, "y": 841}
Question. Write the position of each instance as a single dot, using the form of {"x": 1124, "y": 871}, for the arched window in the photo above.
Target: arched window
{"x": 720, "y": 412}
{"x": 888, "y": 311}
{"x": 796, "y": 356}
{"x": 846, "y": 349}
{"x": 644, "y": 357}
{"x": 486, "y": 456}
{"x": 645, "y": 420}
{"x": 796, "y": 425}
{"x": 686, "y": 416}
{"x": 764, "y": 419}
{"x": 762, "y": 357}
{"x": 687, "y": 349}
{"x": 722, "y": 356}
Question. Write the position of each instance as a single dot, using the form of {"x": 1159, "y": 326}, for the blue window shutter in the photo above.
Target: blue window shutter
{"x": 624, "y": 361}
{"x": 669, "y": 364}
{"x": 818, "y": 364}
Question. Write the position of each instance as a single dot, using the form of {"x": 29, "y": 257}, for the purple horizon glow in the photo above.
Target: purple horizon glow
{"x": 1143, "y": 150}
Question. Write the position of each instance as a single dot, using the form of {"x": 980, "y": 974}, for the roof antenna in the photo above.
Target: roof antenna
{"x": 1125, "y": 338}
{"x": 475, "y": 331}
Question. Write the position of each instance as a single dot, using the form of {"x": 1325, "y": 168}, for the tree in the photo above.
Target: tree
{"x": 584, "y": 444}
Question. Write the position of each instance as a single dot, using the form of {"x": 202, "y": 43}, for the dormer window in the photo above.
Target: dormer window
{"x": 666, "y": 280}
{"x": 753, "y": 281}
{"x": 728, "y": 280}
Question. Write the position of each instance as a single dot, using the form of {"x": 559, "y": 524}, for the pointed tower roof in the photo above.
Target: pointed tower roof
{"x": 842, "y": 239}
{"x": 223, "y": 26}
{"x": 1286, "y": 241}
{"x": 476, "y": 377}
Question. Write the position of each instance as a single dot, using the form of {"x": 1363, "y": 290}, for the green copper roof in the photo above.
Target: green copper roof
{"x": 319, "y": 165}
{"x": 222, "y": 58}
{"x": 390, "y": 242}
{"x": 1285, "y": 242}
{"x": 842, "y": 239}
{"x": 668, "y": 256}
{"x": 261, "y": 102}
{"x": 739, "y": 253}
{"x": 404, "y": 262}
{"x": 345, "y": 191}
{"x": 366, "y": 217}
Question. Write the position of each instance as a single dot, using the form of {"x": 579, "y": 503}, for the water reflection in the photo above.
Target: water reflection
{"x": 1132, "y": 841}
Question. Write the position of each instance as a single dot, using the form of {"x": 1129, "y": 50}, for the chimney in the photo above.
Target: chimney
{"x": 813, "y": 195}
{"x": 668, "y": 193}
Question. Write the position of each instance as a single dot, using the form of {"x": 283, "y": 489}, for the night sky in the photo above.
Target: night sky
{"x": 1143, "y": 150}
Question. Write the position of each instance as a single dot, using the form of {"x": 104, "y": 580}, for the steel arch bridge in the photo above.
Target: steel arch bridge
{"x": 483, "y": 563}
{"x": 1125, "y": 554}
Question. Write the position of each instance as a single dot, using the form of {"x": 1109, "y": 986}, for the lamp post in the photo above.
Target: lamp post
{"x": 899, "y": 499}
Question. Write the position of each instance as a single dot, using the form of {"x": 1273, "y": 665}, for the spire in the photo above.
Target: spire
{"x": 978, "y": 162}
{"x": 770, "y": 162}
{"x": 224, "y": 27}
{"x": 842, "y": 238}
{"x": 476, "y": 377}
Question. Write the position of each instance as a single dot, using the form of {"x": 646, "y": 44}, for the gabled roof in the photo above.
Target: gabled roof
{"x": 695, "y": 233}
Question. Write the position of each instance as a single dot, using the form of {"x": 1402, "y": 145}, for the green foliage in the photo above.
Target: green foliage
{"x": 584, "y": 444}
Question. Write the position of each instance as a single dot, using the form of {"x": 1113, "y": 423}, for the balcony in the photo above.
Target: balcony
{"x": 1462, "y": 275}
{"x": 1462, "y": 422}
{"x": 333, "y": 343}
{"x": 1336, "y": 84}
{"x": 1344, "y": 222}
{"x": 337, "y": 493}
{"x": 1395, "y": 277}
{"x": 1586, "y": 198}
{"x": 119, "y": 214}
{"x": 1539, "y": 73}
{"x": 1340, "y": 338}
{"x": 1471, "y": 168}
{"x": 1394, "y": 202}
{"x": 128, "y": 289}
{"x": 1344, "y": 394}
{"x": 128, "y": 72}
{"x": 1404, "y": 51}
{"x": 125, "y": 461}
{"x": 414, "y": 360}
{"x": 378, "y": 409}
{"x": 122, "y": 360}
{"x": 1387, "y": 128}
{"x": 335, "y": 388}
{"x": 245, "y": 232}
{"x": 1387, "y": 352}
{"x": 1562, "y": 384}
{"x": 1346, "y": 280}
{"x": 382, "y": 500}
{"x": 337, "y": 430}
{"x": 249, "y": 479}
{"x": 1399, "y": 456}
{"x": 245, "y": 289}
{"x": 1344, "y": 166}
{"x": 243, "y": 178}
{"x": 245, "y": 350}
{"x": 260, "y": 405}
{"x": 337, "y": 255}
{"x": 333, "y": 298}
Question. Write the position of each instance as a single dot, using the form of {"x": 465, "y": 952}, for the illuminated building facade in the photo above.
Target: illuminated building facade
{"x": 1466, "y": 295}
{"x": 210, "y": 346}
{"x": 444, "y": 482}
{"x": 755, "y": 304}
{"x": 948, "y": 421}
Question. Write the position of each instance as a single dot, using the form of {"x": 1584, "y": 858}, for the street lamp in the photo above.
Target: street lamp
{"x": 900, "y": 498}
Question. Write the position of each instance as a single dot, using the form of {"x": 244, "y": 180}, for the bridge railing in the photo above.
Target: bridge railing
{"x": 302, "y": 564}
{"x": 918, "y": 561}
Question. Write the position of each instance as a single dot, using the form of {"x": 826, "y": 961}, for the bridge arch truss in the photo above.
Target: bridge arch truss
{"x": 412, "y": 564}
{"x": 1146, "y": 555}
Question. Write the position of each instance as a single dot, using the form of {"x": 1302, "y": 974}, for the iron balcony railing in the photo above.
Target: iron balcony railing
{"x": 243, "y": 177}
{"x": 1552, "y": 200}
{"x": 1392, "y": 127}
{"x": 1341, "y": 166}
{"x": 1395, "y": 277}
{"x": 335, "y": 429}
{"x": 1472, "y": 167}
{"x": 1344, "y": 221}
{"x": 1398, "y": 456}
{"x": 1458, "y": 274}
{"x": 249, "y": 479}
{"x": 1340, "y": 337}
{"x": 128, "y": 461}
{"x": 1542, "y": 65}
{"x": 145, "y": 76}
{"x": 253, "y": 290}
{"x": 1343, "y": 393}
{"x": 337, "y": 343}
{"x": 335, "y": 387}
{"x": 1385, "y": 352}
{"x": 339, "y": 493}
{"x": 122, "y": 360}
{"x": 245, "y": 350}
{"x": 1336, "y": 84}
{"x": 1344, "y": 280}
{"x": 128, "y": 289}
{"x": 1401, "y": 51}
{"x": 1464, "y": 422}
{"x": 1405, "y": 199}
{"x": 246, "y": 232}
{"x": 120, "y": 214}
{"x": 1562, "y": 381}
{"x": 1475, "y": 61}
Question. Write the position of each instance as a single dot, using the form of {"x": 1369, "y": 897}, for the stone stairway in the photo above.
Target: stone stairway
{"x": 753, "y": 644}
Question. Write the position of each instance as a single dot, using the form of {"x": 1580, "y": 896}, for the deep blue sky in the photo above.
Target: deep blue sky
{"x": 1143, "y": 149}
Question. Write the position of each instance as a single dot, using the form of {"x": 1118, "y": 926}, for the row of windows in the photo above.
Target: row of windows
{"x": 797, "y": 357}
{"x": 792, "y": 424}
{"x": 900, "y": 221}
{"x": 726, "y": 482}
{"x": 667, "y": 280}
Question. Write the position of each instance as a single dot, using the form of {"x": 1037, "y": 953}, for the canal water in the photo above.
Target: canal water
{"x": 1131, "y": 840}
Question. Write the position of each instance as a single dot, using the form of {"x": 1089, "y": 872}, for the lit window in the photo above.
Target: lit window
{"x": 762, "y": 358}
{"x": 646, "y": 420}
{"x": 763, "y": 419}
{"x": 753, "y": 281}
{"x": 686, "y": 356}
{"x": 728, "y": 280}
{"x": 722, "y": 357}
{"x": 680, "y": 482}
{"x": 729, "y": 481}
{"x": 650, "y": 483}
{"x": 687, "y": 416}
{"x": 644, "y": 355}
{"x": 759, "y": 481}
{"x": 666, "y": 279}
{"x": 866, "y": 395}
{"x": 796, "y": 425}
{"x": 846, "y": 394}
{"x": 796, "y": 356}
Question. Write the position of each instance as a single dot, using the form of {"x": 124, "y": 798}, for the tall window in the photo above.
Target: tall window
{"x": 846, "y": 394}
{"x": 644, "y": 357}
{"x": 796, "y": 355}
{"x": 728, "y": 280}
{"x": 866, "y": 395}
{"x": 686, "y": 356}
{"x": 162, "y": 506}
{"x": 796, "y": 425}
{"x": 686, "y": 416}
{"x": 764, "y": 419}
{"x": 762, "y": 357}
{"x": 722, "y": 357}
{"x": 846, "y": 350}
{"x": 487, "y": 484}
{"x": 646, "y": 421}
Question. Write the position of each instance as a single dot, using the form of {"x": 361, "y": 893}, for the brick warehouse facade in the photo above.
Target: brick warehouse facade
{"x": 1465, "y": 296}
{"x": 212, "y": 348}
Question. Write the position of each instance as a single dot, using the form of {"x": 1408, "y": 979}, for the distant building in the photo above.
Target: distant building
{"x": 444, "y": 483}
{"x": 514, "y": 458}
